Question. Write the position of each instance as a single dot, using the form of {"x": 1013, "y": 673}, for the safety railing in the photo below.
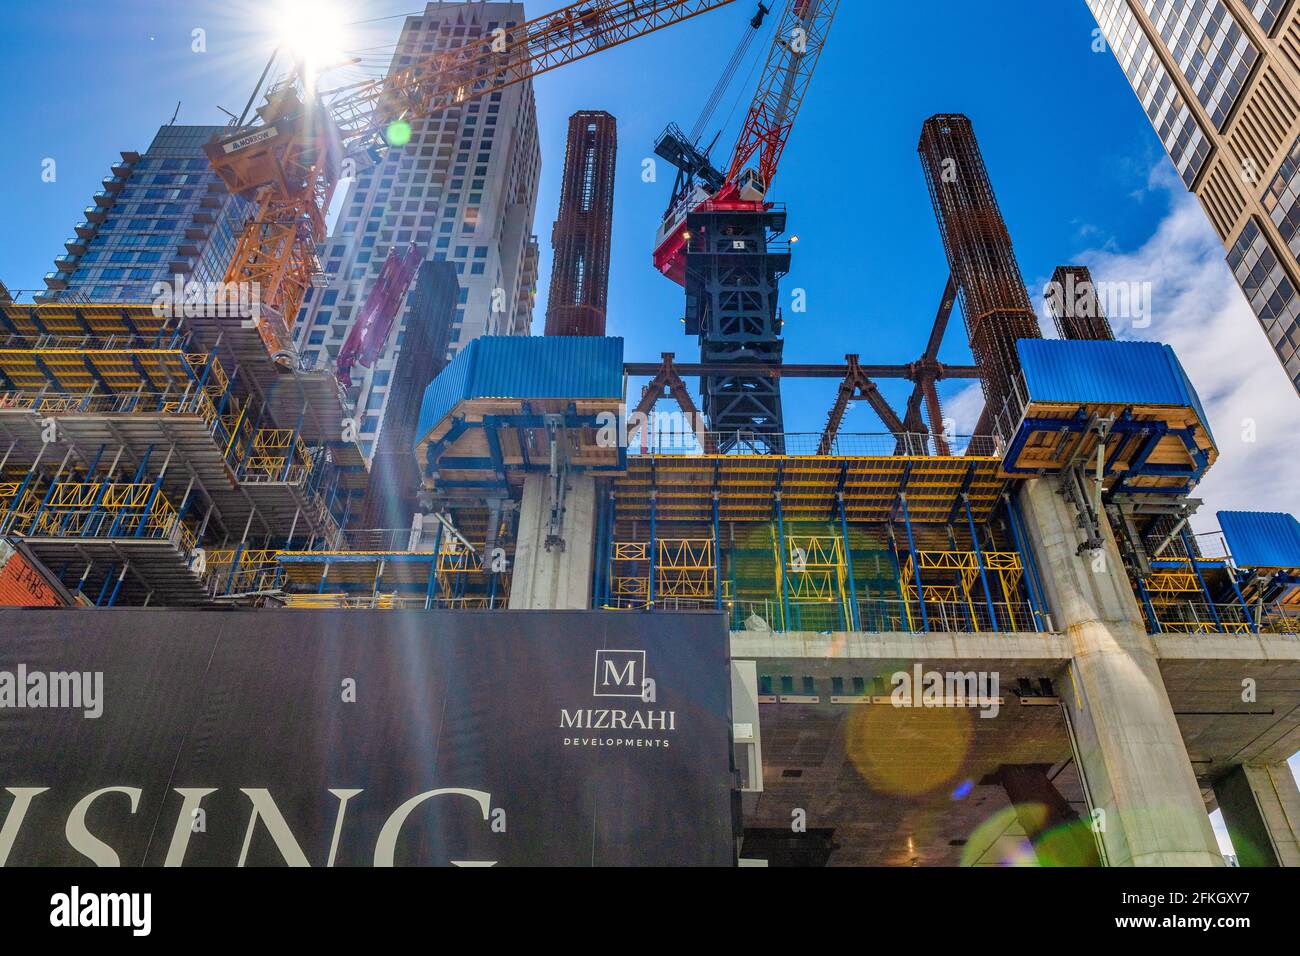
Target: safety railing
{"x": 1201, "y": 617}
{"x": 97, "y": 509}
{"x": 684, "y": 441}
{"x": 228, "y": 571}
{"x": 1007, "y": 419}
{"x": 873, "y": 616}
{"x": 181, "y": 402}
{"x": 391, "y": 602}
{"x": 112, "y": 341}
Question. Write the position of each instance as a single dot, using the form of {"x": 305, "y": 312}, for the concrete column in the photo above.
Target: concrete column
{"x": 557, "y": 576}
{"x": 1129, "y": 746}
{"x": 1261, "y": 807}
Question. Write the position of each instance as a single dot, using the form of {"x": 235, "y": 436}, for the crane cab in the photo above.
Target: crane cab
{"x": 751, "y": 186}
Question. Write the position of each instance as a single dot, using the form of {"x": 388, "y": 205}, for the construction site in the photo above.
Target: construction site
{"x": 192, "y": 460}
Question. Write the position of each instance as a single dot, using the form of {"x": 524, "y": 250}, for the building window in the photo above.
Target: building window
{"x": 1171, "y": 117}
{"x": 1268, "y": 289}
{"x": 1209, "y": 47}
{"x": 1266, "y": 12}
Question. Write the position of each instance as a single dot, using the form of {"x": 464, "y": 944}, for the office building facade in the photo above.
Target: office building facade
{"x": 464, "y": 188}
{"x": 1220, "y": 82}
{"x": 159, "y": 215}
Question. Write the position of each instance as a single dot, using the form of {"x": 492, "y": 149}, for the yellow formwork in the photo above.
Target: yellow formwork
{"x": 81, "y": 321}
{"x": 164, "y": 370}
{"x": 746, "y": 485}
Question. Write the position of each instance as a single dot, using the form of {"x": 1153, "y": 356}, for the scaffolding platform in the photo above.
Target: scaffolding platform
{"x": 1129, "y": 403}
{"x": 315, "y": 397}
{"x": 682, "y": 487}
{"x": 93, "y": 532}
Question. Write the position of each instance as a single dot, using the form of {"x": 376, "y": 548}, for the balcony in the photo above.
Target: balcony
{"x": 56, "y": 280}
{"x": 85, "y": 230}
{"x": 211, "y": 201}
{"x": 205, "y": 216}
{"x": 105, "y": 199}
{"x": 95, "y": 214}
{"x": 181, "y": 265}
{"x": 197, "y": 233}
{"x": 76, "y": 245}
{"x": 67, "y": 263}
{"x": 113, "y": 184}
{"x": 188, "y": 247}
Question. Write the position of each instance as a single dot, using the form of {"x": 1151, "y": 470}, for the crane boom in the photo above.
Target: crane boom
{"x": 289, "y": 160}
{"x": 791, "y": 60}
{"x": 796, "y": 47}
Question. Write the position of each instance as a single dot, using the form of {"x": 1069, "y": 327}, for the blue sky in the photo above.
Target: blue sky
{"x": 1077, "y": 168}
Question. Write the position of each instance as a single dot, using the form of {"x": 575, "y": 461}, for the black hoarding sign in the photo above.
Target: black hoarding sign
{"x": 207, "y": 738}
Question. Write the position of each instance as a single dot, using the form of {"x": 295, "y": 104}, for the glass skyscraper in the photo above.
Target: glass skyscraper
{"x": 160, "y": 214}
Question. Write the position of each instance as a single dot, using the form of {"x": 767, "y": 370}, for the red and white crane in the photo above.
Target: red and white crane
{"x": 797, "y": 45}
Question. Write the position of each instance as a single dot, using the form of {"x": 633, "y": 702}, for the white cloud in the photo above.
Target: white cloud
{"x": 1198, "y": 308}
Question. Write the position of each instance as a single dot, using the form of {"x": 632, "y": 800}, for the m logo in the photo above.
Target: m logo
{"x": 619, "y": 673}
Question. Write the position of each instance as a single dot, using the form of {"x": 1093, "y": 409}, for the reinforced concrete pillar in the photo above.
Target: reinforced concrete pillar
{"x": 550, "y": 574}
{"x": 1129, "y": 746}
{"x": 1261, "y": 807}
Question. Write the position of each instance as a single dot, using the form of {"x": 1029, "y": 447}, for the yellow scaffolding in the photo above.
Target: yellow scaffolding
{"x": 814, "y": 571}
{"x": 272, "y": 448}
{"x": 77, "y": 509}
{"x": 684, "y": 570}
{"x": 965, "y": 567}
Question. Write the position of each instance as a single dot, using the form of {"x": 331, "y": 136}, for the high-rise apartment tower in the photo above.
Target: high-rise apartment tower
{"x": 464, "y": 188}
{"x": 1220, "y": 82}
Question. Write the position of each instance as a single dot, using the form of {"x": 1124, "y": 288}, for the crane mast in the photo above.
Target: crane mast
{"x": 289, "y": 160}
{"x": 723, "y": 243}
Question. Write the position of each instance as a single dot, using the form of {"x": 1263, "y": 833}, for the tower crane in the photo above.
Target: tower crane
{"x": 701, "y": 187}
{"x": 289, "y": 159}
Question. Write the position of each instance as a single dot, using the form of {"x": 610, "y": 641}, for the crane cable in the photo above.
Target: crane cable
{"x": 724, "y": 82}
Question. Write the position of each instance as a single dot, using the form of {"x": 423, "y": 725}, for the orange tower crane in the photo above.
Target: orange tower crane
{"x": 289, "y": 159}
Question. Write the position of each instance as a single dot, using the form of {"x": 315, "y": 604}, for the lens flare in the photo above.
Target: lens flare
{"x": 909, "y": 751}
{"x": 398, "y": 133}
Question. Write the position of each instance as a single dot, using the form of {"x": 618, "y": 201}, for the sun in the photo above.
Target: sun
{"x": 312, "y": 32}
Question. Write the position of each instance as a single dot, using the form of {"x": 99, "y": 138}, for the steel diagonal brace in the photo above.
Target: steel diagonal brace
{"x": 667, "y": 378}
{"x": 857, "y": 384}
